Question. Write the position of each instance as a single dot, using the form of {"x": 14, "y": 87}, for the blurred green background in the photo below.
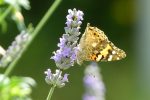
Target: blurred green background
{"x": 125, "y": 22}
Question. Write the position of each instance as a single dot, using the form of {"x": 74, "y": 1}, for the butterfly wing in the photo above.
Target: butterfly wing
{"x": 95, "y": 46}
{"x": 111, "y": 53}
{"x": 90, "y": 45}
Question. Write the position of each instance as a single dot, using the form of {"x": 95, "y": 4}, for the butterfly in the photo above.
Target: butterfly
{"x": 95, "y": 46}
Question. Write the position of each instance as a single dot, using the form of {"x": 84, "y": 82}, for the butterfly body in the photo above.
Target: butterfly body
{"x": 95, "y": 46}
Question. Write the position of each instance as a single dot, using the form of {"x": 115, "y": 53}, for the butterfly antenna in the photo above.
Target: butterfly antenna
{"x": 87, "y": 26}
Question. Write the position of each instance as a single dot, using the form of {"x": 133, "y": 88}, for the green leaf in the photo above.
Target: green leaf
{"x": 16, "y": 88}
{"x": 1, "y": 2}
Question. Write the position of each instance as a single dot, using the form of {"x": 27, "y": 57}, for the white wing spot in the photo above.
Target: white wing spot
{"x": 99, "y": 58}
{"x": 94, "y": 44}
{"x": 118, "y": 58}
{"x": 110, "y": 58}
{"x": 113, "y": 52}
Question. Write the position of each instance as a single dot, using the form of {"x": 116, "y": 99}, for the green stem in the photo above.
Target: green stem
{"x": 51, "y": 92}
{"x": 34, "y": 34}
{"x": 8, "y": 10}
{"x": 53, "y": 87}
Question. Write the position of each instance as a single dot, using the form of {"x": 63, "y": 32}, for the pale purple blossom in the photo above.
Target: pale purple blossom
{"x": 74, "y": 18}
{"x": 18, "y": 3}
{"x": 65, "y": 56}
{"x": 94, "y": 86}
{"x": 15, "y": 48}
{"x": 56, "y": 78}
{"x": 89, "y": 97}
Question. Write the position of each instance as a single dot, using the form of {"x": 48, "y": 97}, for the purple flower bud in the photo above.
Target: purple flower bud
{"x": 65, "y": 78}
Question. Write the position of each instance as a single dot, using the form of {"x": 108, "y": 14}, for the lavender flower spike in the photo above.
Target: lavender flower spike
{"x": 56, "y": 79}
{"x": 15, "y": 48}
{"x": 95, "y": 89}
{"x": 65, "y": 56}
